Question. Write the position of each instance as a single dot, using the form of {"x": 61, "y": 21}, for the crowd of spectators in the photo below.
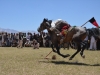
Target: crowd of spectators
{"x": 34, "y": 40}
{"x": 20, "y": 39}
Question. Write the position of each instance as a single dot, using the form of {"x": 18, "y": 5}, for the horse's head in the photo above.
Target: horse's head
{"x": 44, "y": 25}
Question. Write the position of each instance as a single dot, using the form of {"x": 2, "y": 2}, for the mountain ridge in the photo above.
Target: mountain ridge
{"x": 16, "y": 31}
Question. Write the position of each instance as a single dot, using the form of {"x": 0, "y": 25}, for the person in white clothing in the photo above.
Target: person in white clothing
{"x": 28, "y": 36}
{"x": 92, "y": 43}
{"x": 27, "y": 43}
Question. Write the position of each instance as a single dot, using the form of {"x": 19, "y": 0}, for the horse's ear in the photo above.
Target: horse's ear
{"x": 45, "y": 19}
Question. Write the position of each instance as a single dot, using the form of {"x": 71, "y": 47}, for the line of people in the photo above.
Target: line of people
{"x": 24, "y": 40}
{"x": 37, "y": 40}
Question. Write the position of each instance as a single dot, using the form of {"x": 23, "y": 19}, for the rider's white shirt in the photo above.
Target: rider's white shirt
{"x": 53, "y": 22}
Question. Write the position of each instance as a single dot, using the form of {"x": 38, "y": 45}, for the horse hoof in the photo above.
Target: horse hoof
{"x": 81, "y": 53}
{"x": 70, "y": 58}
{"x": 83, "y": 56}
{"x": 67, "y": 55}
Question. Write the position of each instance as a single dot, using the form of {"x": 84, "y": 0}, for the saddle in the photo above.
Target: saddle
{"x": 66, "y": 32}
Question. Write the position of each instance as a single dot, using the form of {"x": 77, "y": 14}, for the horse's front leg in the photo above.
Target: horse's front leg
{"x": 78, "y": 50}
{"x": 58, "y": 51}
{"x": 52, "y": 46}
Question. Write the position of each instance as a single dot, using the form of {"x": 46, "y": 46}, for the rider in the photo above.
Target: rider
{"x": 64, "y": 30}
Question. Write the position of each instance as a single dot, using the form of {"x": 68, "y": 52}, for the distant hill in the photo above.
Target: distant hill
{"x": 8, "y": 30}
{"x": 32, "y": 31}
{"x": 15, "y": 31}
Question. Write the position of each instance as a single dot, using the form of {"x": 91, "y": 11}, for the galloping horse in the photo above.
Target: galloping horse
{"x": 77, "y": 34}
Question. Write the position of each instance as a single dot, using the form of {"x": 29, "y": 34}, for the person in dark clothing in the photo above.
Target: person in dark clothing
{"x": 0, "y": 39}
{"x": 40, "y": 40}
{"x": 31, "y": 37}
{"x": 34, "y": 36}
{"x": 98, "y": 44}
{"x": 20, "y": 40}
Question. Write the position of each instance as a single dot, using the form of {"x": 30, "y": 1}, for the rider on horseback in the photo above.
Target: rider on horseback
{"x": 64, "y": 30}
{"x": 61, "y": 25}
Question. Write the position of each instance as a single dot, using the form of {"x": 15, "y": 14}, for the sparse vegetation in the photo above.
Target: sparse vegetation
{"x": 28, "y": 61}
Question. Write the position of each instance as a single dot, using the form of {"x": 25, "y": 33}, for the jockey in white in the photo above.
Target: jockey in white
{"x": 63, "y": 32}
{"x": 54, "y": 22}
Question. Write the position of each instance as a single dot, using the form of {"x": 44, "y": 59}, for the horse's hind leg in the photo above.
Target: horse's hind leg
{"x": 78, "y": 50}
{"x": 83, "y": 46}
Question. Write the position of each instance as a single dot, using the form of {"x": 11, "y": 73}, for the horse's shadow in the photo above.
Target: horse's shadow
{"x": 69, "y": 63}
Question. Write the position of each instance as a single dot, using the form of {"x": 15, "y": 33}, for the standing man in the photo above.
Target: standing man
{"x": 20, "y": 41}
{"x": 93, "y": 43}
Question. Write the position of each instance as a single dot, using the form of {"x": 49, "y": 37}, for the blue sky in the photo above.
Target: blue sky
{"x": 24, "y": 15}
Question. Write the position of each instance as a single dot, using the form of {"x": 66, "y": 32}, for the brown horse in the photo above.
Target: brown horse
{"x": 77, "y": 34}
